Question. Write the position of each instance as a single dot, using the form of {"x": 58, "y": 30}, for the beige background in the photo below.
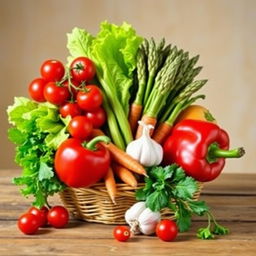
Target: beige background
{"x": 222, "y": 31}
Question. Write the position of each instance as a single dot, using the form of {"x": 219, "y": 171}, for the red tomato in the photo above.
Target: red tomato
{"x": 75, "y": 83}
{"x": 36, "y": 89}
{"x": 41, "y": 214}
{"x": 90, "y": 99}
{"x": 97, "y": 117}
{"x": 56, "y": 94}
{"x": 58, "y": 216}
{"x": 166, "y": 230}
{"x": 121, "y": 233}
{"x": 78, "y": 166}
{"x": 52, "y": 70}
{"x": 82, "y": 69}
{"x": 80, "y": 127}
{"x": 28, "y": 223}
{"x": 71, "y": 109}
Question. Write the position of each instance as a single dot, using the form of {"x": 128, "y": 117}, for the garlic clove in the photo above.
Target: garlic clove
{"x": 134, "y": 149}
{"x": 149, "y": 229}
{"x": 149, "y": 217}
{"x": 133, "y": 213}
{"x": 148, "y": 221}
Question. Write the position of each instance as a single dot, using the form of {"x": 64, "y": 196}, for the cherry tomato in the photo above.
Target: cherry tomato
{"x": 29, "y": 223}
{"x": 41, "y": 213}
{"x": 82, "y": 69}
{"x": 36, "y": 89}
{"x": 97, "y": 117}
{"x": 90, "y": 99}
{"x": 52, "y": 70}
{"x": 80, "y": 127}
{"x": 58, "y": 216}
{"x": 56, "y": 94}
{"x": 70, "y": 108}
{"x": 121, "y": 233}
{"x": 166, "y": 230}
{"x": 75, "y": 83}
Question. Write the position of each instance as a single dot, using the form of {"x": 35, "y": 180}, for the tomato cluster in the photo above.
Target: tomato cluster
{"x": 72, "y": 92}
{"x": 30, "y": 222}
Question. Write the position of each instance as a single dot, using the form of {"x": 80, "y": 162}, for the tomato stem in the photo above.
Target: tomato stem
{"x": 91, "y": 145}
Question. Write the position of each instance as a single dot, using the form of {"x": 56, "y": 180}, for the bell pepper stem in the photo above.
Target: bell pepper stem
{"x": 91, "y": 145}
{"x": 216, "y": 152}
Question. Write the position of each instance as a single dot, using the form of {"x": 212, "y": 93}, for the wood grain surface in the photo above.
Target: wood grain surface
{"x": 232, "y": 198}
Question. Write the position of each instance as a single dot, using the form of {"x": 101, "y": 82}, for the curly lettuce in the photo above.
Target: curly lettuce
{"x": 37, "y": 131}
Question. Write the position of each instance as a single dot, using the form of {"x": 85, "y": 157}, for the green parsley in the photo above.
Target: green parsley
{"x": 169, "y": 187}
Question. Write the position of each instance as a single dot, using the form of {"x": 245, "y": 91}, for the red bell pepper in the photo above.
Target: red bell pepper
{"x": 200, "y": 148}
{"x": 81, "y": 164}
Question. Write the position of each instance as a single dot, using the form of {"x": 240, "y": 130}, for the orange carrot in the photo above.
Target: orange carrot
{"x": 125, "y": 175}
{"x": 134, "y": 116}
{"x": 161, "y": 133}
{"x": 121, "y": 157}
{"x": 97, "y": 132}
{"x": 147, "y": 120}
{"x": 110, "y": 184}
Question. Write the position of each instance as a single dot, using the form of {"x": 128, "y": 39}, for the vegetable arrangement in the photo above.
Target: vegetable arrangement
{"x": 121, "y": 111}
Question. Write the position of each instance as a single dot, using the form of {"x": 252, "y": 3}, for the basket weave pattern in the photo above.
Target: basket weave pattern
{"x": 94, "y": 205}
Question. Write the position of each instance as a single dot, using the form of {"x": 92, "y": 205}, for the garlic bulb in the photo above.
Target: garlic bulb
{"x": 134, "y": 212}
{"x": 145, "y": 150}
{"x": 142, "y": 219}
{"x": 148, "y": 221}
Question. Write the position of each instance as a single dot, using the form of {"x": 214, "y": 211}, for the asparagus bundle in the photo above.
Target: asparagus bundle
{"x": 166, "y": 84}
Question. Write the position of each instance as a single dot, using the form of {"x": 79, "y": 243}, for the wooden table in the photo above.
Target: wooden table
{"x": 231, "y": 197}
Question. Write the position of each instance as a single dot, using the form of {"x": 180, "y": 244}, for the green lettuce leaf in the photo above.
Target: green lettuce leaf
{"x": 37, "y": 132}
{"x": 114, "y": 52}
{"x": 79, "y": 42}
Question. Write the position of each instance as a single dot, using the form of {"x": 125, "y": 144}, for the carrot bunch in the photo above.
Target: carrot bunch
{"x": 123, "y": 166}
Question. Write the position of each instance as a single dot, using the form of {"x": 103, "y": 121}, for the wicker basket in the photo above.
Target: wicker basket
{"x": 94, "y": 205}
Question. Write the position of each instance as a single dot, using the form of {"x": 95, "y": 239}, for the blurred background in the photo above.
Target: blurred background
{"x": 221, "y": 31}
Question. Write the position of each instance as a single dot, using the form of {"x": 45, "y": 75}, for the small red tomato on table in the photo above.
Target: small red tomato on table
{"x": 121, "y": 233}
{"x": 58, "y": 216}
{"x": 167, "y": 230}
{"x": 41, "y": 214}
{"x": 29, "y": 223}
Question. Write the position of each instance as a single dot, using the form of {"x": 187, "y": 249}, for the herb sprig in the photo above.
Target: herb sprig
{"x": 169, "y": 187}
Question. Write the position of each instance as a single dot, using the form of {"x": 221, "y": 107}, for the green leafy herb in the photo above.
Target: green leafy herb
{"x": 37, "y": 132}
{"x": 169, "y": 187}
